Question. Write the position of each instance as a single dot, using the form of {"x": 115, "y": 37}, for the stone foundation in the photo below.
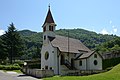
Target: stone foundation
{"x": 38, "y": 72}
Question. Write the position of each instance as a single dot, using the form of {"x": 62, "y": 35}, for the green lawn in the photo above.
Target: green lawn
{"x": 18, "y": 71}
{"x": 113, "y": 74}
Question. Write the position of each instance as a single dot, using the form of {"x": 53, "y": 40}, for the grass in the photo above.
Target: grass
{"x": 113, "y": 74}
{"x": 18, "y": 71}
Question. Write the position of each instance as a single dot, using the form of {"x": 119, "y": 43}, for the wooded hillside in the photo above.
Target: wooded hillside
{"x": 33, "y": 40}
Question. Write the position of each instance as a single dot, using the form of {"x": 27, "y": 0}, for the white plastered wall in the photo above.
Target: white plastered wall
{"x": 90, "y": 62}
{"x": 52, "y": 60}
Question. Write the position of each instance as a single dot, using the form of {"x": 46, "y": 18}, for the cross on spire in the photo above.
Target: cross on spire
{"x": 49, "y": 5}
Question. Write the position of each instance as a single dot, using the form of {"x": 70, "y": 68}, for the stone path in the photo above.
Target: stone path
{"x": 15, "y": 76}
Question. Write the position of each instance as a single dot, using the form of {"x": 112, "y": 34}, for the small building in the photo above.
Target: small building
{"x": 61, "y": 53}
{"x": 111, "y": 55}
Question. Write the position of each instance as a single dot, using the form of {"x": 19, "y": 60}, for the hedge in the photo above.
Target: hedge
{"x": 10, "y": 67}
{"x": 35, "y": 66}
{"x": 110, "y": 62}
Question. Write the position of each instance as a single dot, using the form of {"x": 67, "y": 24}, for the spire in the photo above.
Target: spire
{"x": 49, "y": 18}
{"x": 49, "y": 6}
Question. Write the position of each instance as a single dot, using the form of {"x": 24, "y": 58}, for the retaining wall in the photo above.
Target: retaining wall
{"x": 38, "y": 72}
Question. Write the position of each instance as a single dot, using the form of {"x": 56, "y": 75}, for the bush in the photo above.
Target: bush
{"x": 110, "y": 62}
{"x": 10, "y": 67}
{"x": 34, "y": 66}
{"x": 20, "y": 63}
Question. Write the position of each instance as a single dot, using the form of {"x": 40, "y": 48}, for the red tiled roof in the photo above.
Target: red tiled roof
{"x": 74, "y": 45}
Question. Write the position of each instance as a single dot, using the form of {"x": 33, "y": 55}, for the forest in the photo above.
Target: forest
{"x": 32, "y": 42}
{"x": 94, "y": 41}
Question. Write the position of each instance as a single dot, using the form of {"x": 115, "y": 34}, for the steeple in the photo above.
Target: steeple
{"x": 48, "y": 28}
{"x": 49, "y": 18}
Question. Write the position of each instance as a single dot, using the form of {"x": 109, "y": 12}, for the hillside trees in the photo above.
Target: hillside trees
{"x": 112, "y": 46}
{"x": 12, "y": 43}
{"x": 90, "y": 39}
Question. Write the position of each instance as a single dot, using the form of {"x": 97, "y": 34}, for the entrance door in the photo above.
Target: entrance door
{"x": 62, "y": 59}
{"x": 72, "y": 63}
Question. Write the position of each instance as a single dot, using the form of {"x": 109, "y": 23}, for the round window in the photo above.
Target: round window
{"x": 46, "y": 55}
{"x": 95, "y": 62}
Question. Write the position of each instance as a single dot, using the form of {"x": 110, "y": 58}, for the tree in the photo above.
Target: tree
{"x": 12, "y": 43}
{"x": 115, "y": 49}
{"x": 3, "y": 54}
{"x": 35, "y": 52}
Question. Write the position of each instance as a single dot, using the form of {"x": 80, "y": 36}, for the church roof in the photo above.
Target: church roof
{"x": 86, "y": 55}
{"x": 49, "y": 18}
{"x": 75, "y": 46}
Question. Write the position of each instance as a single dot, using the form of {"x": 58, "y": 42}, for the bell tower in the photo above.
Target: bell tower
{"x": 48, "y": 27}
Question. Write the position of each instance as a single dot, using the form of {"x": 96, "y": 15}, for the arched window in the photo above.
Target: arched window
{"x": 95, "y": 55}
{"x": 51, "y": 28}
{"x": 95, "y": 62}
{"x": 44, "y": 37}
{"x": 46, "y": 56}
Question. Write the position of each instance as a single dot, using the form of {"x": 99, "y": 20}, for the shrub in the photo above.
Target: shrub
{"x": 110, "y": 62}
{"x": 10, "y": 67}
{"x": 34, "y": 66}
{"x": 20, "y": 63}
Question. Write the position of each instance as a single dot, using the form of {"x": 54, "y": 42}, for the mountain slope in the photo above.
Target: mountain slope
{"x": 90, "y": 39}
{"x": 26, "y": 32}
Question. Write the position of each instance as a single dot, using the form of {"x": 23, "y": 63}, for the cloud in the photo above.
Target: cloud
{"x": 2, "y": 32}
{"x": 115, "y": 30}
{"x": 104, "y": 31}
{"x": 111, "y": 32}
{"x": 113, "y": 26}
{"x": 110, "y": 22}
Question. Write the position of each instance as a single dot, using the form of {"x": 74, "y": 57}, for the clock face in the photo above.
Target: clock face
{"x": 46, "y": 55}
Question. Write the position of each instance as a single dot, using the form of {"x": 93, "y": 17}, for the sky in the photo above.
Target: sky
{"x": 101, "y": 16}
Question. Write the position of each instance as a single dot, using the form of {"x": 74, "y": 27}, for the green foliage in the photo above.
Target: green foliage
{"x": 27, "y": 32}
{"x": 110, "y": 62}
{"x": 89, "y": 38}
{"x": 111, "y": 46}
{"x": 3, "y": 54}
{"x": 12, "y": 43}
{"x": 10, "y": 67}
{"x": 35, "y": 66}
{"x": 33, "y": 40}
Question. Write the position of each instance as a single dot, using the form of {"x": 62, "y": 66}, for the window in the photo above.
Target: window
{"x": 95, "y": 62}
{"x": 95, "y": 55}
{"x": 50, "y": 68}
{"x": 80, "y": 63}
{"x": 52, "y": 51}
{"x": 44, "y": 29}
{"x": 44, "y": 37}
{"x": 46, "y": 56}
{"x": 51, "y": 28}
{"x": 46, "y": 67}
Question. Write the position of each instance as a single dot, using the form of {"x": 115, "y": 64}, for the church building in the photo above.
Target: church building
{"x": 60, "y": 53}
